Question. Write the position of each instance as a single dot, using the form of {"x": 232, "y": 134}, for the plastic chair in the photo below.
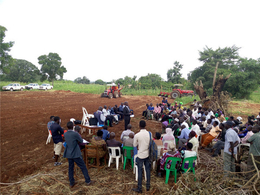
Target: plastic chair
{"x": 158, "y": 154}
{"x": 128, "y": 155}
{"x": 85, "y": 120}
{"x": 191, "y": 166}
{"x": 112, "y": 154}
{"x": 173, "y": 168}
{"x": 136, "y": 170}
{"x": 196, "y": 149}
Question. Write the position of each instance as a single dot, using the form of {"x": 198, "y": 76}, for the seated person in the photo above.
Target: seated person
{"x": 108, "y": 117}
{"x": 100, "y": 143}
{"x": 208, "y": 137}
{"x": 119, "y": 114}
{"x": 172, "y": 152}
{"x": 248, "y": 135}
{"x": 105, "y": 133}
{"x": 183, "y": 138}
{"x": 193, "y": 139}
{"x": 195, "y": 127}
{"x": 112, "y": 142}
{"x": 208, "y": 127}
{"x": 150, "y": 110}
{"x": 157, "y": 112}
{"x": 98, "y": 115}
{"x": 216, "y": 149}
{"x": 126, "y": 132}
{"x": 168, "y": 136}
{"x": 188, "y": 153}
{"x": 144, "y": 114}
{"x": 129, "y": 142}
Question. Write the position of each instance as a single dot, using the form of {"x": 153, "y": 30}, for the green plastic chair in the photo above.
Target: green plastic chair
{"x": 173, "y": 168}
{"x": 128, "y": 154}
{"x": 191, "y": 166}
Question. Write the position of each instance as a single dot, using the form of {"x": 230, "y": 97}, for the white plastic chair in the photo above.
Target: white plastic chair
{"x": 135, "y": 170}
{"x": 85, "y": 120}
{"x": 168, "y": 143}
{"x": 195, "y": 148}
{"x": 112, "y": 155}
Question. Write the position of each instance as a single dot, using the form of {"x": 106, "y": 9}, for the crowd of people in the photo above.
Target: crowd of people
{"x": 184, "y": 131}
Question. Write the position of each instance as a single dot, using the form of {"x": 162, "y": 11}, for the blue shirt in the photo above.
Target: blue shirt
{"x": 184, "y": 134}
{"x": 56, "y": 132}
{"x": 106, "y": 134}
{"x": 150, "y": 108}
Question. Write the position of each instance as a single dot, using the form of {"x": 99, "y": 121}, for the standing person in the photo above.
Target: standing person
{"x": 230, "y": 148}
{"x": 142, "y": 141}
{"x": 73, "y": 154}
{"x": 56, "y": 132}
{"x": 50, "y": 122}
{"x": 127, "y": 113}
{"x": 254, "y": 149}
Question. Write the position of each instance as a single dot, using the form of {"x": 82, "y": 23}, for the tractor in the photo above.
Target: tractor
{"x": 112, "y": 91}
{"x": 176, "y": 92}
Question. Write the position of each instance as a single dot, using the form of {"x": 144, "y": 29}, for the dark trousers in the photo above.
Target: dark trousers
{"x": 109, "y": 118}
{"x": 218, "y": 147}
{"x": 127, "y": 121}
{"x": 81, "y": 165}
{"x": 140, "y": 162}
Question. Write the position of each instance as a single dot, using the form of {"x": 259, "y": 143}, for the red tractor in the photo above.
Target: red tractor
{"x": 112, "y": 91}
{"x": 177, "y": 92}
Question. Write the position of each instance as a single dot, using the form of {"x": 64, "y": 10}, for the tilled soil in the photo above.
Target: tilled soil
{"x": 24, "y": 118}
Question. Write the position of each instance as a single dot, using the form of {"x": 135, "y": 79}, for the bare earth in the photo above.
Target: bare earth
{"x": 24, "y": 117}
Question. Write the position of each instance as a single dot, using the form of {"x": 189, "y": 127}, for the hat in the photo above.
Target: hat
{"x": 239, "y": 118}
{"x": 177, "y": 120}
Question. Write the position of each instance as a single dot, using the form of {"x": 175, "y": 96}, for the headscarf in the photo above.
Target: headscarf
{"x": 168, "y": 135}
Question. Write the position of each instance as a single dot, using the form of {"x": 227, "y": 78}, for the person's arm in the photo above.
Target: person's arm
{"x": 79, "y": 138}
{"x": 182, "y": 135}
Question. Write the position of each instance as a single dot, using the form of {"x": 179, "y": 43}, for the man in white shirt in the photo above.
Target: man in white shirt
{"x": 195, "y": 127}
{"x": 184, "y": 123}
{"x": 142, "y": 142}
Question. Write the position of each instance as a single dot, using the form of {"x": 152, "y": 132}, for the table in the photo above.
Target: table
{"x": 90, "y": 128}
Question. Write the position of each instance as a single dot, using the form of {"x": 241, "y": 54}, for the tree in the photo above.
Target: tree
{"x": 151, "y": 81}
{"x": 51, "y": 67}
{"x": 174, "y": 74}
{"x": 83, "y": 80}
{"x": 100, "y": 82}
{"x": 23, "y": 71}
{"x": 6, "y": 60}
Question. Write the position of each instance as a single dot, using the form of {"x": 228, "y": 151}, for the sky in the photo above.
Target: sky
{"x": 111, "y": 39}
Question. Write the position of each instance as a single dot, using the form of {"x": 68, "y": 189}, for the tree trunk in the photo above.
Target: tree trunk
{"x": 200, "y": 90}
{"x": 215, "y": 73}
{"x": 219, "y": 85}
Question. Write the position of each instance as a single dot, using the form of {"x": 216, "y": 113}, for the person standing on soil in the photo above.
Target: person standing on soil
{"x": 127, "y": 113}
{"x": 73, "y": 154}
{"x": 50, "y": 122}
{"x": 142, "y": 141}
{"x": 56, "y": 132}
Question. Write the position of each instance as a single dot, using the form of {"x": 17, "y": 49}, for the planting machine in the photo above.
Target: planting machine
{"x": 175, "y": 93}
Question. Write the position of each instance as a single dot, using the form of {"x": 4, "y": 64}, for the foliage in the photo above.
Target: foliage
{"x": 83, "y": 80}
{"x": 243, "y": 80}
{"x": 6, "y": 60}
{"x": 151, "y": 81}
{"x": 100, "y": 82}
{"x": 174, "y": 74}
{"x": 23, "y": 71}
{"x": 51, "y": 67}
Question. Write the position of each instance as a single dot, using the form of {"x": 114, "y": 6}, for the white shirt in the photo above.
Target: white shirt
{"x": 231, "y": 136}
{"x": 186, "y": 124}
{"x": 189, "y": 153}
{"x": 126, "y": 133}
{"x": 142, "y": 141}
{"x": 196, "y": 128}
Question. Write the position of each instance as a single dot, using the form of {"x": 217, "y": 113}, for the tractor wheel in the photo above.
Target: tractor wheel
{"x": 120, "y": 94}
{"x": 116, "y": 94}
{"x": 110, "y": 95}
{"x": 11, "y": 89}
{"x": 175, "y": 94}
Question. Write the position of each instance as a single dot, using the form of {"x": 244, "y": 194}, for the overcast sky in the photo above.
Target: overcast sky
{"x": 111, "y": 39}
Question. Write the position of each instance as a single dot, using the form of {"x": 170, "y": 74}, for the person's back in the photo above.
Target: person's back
{"x": 105, "y": 133}
{"x": 72, "y": 149}
{"x": 112, "y": 142}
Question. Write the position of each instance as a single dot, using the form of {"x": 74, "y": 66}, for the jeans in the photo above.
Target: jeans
{"x": 147, "y": 165}
{"x": 81, "y": 165}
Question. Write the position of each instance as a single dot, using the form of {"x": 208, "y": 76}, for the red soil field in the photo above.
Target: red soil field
{"x": 24, "y": 117}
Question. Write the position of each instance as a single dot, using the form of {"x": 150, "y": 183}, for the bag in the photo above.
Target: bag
{"x": 153, "y": 150}
{"x": 93, "y": 121}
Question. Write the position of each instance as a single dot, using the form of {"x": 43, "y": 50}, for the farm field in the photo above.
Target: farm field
{"x": 24, "y": 117}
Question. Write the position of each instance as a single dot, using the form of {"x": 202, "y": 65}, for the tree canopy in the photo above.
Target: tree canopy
{"x": 83, "y": 80}
{"x": 174, "y": 74}
{"x": 23, "y": 71}
{"x": 100, "y": 82}
{"x": 6, "y": 60}
{"x": 51, "y": 67}
{"x": 243, "y": 71}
